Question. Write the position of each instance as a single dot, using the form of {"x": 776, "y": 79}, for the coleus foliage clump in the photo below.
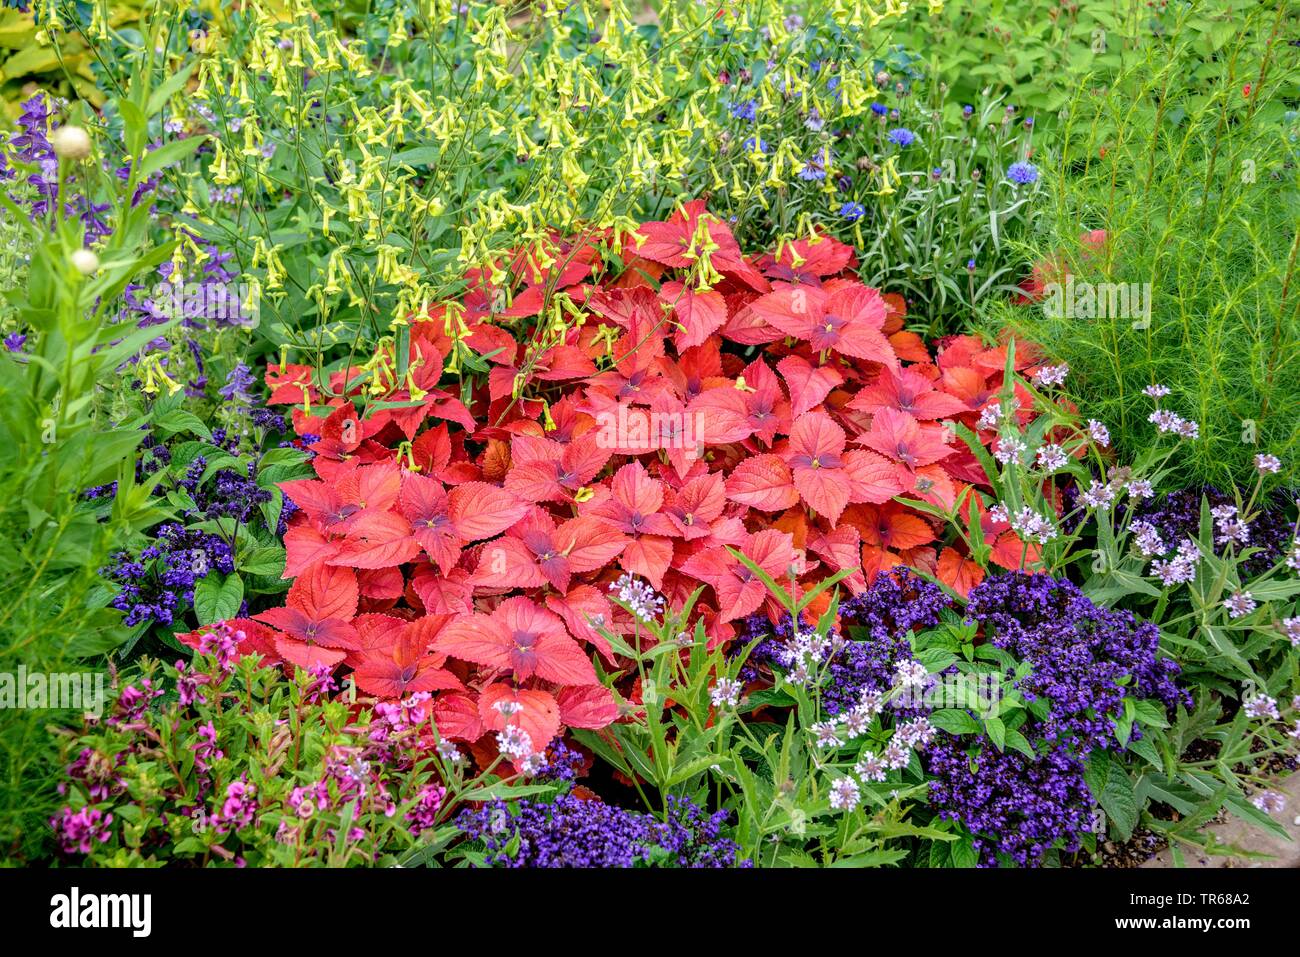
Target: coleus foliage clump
{"x": 657, "y": 406}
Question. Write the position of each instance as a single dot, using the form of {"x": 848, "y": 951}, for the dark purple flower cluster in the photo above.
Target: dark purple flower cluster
{"x": 1016, "y": 807}
{"x": 159, "y": 584}
{"x": 566, "y": 833}
{"x": 570, "y": 832}
{"x": 695, "y": 839}
{"x": 269, "y": 420}
{"x": 1085, "y": 660}
{"x": 897, "y": 603}
{"x": 772, "y": 641}
{"x": 562, "y": 762}
{"x": 1177, "y": 515}
{"x": 228, "y": 493}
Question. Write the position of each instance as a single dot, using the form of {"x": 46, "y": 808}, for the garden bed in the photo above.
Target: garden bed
{"x": 658, "y": 436}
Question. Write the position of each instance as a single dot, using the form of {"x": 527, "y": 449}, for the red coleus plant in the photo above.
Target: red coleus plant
{"x": 467, "y": 549}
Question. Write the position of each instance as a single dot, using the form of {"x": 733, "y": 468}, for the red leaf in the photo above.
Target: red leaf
{"x": 825, "y": 491}
{"x": 808, "y": 384}
{"x": 325, "y": 591}
{"x": 648, "y": 556}
{"x": 871, "y": 478}
{"x": 763, "y": 482}
{"x": 305, "y": 547}
{"x": 330, "y": 632}
{"x": 507, "y": 563}
{"x": 588, "y": 706}
{"x": 456, "y": 716}
{"x": 381, "y": 583}
{"x": 700, "y": 313}
{"x": 307, "y": 656}
{"x": 443, "y": 594}
{"x": 959, "y": 573}
{"x": 377, "y": 540}
{"x": 479, "y": 510}
{"x": 900, "y": 437}
{"x": 582, "y": 609}
{"x": 589, "y": 543}
{"x": 522, "y": 637}
{"x": 405, "y": 669}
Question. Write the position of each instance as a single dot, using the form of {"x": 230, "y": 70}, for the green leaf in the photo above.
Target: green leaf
{"x": 954, "y": 721}
{"x": 178, "y": 420}
{"x": 997, "y": 732}
{"x": 169, "y": 153}
{"x": 263, "y": 561}
{"x": 169, "y": 87}
{"x": 963, "y": 853}
{"x": 1119, "y": 803}
{"x": 217, "y": 597}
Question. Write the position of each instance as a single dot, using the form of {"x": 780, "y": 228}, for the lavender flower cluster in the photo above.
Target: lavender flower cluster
{"x": 570, "y": 832}
{"x": 31, "y": 145}
{"x": 1085, "y": 661}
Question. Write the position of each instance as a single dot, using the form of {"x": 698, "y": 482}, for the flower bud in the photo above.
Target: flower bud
{"x": 86, "y": 262}
{"x": 70, "y": 142}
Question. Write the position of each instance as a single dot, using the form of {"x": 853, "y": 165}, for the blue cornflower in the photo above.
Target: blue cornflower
{"x": 14, "y": 341}
{"x": 852, "y": 211}
{"x": 1022, "y": 173}
{"x": 901, "y": 136}
{"x": 745, "y": 111}
{"x": 815, "y": 168}
{"x": 755, "y": 144}
{"x": 879, "y": 109}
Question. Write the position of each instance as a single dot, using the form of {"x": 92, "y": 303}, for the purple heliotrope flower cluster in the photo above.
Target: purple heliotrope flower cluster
{"x": 877, "y": 622}
{"x": 1017, "y": 807}
{"x": 562, "y": 763}
{"x": 570, "y": 832}
{"x": 1085, "y": 661}
{"x": 1080, "y": 652}
{"x": 228, "y": 493}
{"x": 1177, "y": 516}
{"x": 159, "y": 584}
{"x": 897, "y": 603}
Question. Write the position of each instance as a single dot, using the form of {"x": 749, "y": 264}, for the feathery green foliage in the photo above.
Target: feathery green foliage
{"x": 1198, "y": 190}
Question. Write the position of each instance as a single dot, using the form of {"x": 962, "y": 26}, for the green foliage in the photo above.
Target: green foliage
{"x": 1041, "y": 53}
{"x": 1198, "y": 190}
{"x": 55, "y": 441}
